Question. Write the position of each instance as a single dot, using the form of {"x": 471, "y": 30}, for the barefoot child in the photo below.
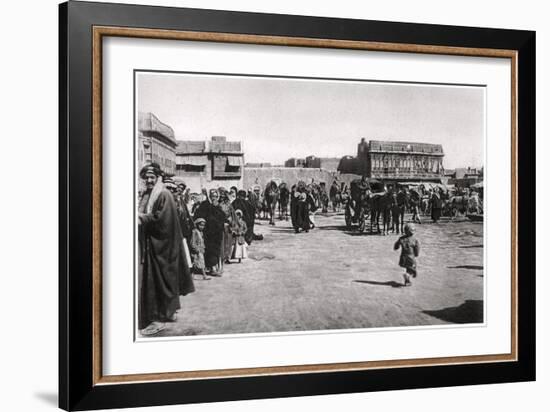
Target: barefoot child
{"x": 197, "y": 248}
{"x": 410, "y": 248}
{"x": 239, "y": 244}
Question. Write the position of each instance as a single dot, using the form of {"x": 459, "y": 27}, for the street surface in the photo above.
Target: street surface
{"x": 332, "y": 278}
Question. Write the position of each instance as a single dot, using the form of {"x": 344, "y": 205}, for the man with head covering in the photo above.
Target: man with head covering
{"x": 165, "y": 274}
{"x": 184, "y": 216}
{"x": 214, "y": 216}
{"x": 230, "y": 218}
{"x": 170, "y": 185}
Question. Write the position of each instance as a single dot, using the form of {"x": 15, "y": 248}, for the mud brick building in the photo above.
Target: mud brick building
{"x": 210, "y": 164}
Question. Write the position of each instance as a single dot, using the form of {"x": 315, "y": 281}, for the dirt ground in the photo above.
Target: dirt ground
{"x": 332, "y": 278}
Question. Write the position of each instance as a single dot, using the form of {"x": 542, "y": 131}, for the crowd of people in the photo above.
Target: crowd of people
{"x": 180, "y": 239}
{"x": 185, "y": 237}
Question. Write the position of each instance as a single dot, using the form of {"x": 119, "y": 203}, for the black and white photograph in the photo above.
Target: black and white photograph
{"x": 270, "y": 204}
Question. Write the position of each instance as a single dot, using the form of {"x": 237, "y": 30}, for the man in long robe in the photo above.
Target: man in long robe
{"x": 165, "y": 274}
{"x": 210, "y": 211}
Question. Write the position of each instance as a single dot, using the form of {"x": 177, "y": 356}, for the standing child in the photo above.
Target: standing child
{"x": 239, "y": 243}
{"x": 410, "y": 248}
{"x": 197, "y": 248}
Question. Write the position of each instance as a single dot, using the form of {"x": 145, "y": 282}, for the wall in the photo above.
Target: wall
{"x": 195, "y": 182}
{"x": 291, "y": 175}
{"x": 262, "y": 175}
{"x": 30, "y": 90}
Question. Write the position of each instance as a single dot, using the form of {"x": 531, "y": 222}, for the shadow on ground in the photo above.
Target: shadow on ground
{"x": 342, "y": 228}
{"x": 261, "y": 255}
{"x": 473, "y": 267}
{"x": 49, "y": 398}
{"x": 470, "y": 246}
{"x": 470, "y": 311}
{"x": 391, "y": 283}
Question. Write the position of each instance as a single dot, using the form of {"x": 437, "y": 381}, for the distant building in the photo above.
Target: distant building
{"x": 397, "y": 161}
{"x": 293, "y": 162}
{"x": 314, "y": 162}
{"x": 326, "y": 163}
{"x": 258, "y": 165}
{"x": 464, "y": 176}
{"x": 210, "y": 164}
{"x": 156, "y": 143}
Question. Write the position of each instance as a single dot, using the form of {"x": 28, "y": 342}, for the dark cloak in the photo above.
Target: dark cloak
{"x": 165, "y": 271}
{"x": 436, "y": 207}
{"x": 293, "y": 209}
{"x": 230, "y": 219}
{"x": 302, "y": 213}
{"x": 248, "y": 216}
{"x": 213, "y": 231}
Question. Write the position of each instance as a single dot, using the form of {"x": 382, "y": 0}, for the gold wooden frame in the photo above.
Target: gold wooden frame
{"x": 102, "y": 31}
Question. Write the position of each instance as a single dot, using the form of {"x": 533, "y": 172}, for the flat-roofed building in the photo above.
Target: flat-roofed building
{"x": 210, "y": 164}
{"x": 396, "y": 161}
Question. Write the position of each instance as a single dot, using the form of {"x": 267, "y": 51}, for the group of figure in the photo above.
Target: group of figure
{"x": 176, "y": 242}
{"x": 368, "y": 197}
{"x": 302, "y": 207}
{"x": 437, "y": 202}
{"x": 278, "y": 197}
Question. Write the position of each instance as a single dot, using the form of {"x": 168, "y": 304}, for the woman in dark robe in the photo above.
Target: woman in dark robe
{"x": 436, "y": 206}
{"x": 165, "y": 274}
{"x": 293, "y": 206}
{"x": 302, "y": 213}
{"x": 240, "y": 203}
{"x": 213, "y": 232}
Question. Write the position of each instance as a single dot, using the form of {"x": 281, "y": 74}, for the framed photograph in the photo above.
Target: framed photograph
{"x": 256, "y": 206}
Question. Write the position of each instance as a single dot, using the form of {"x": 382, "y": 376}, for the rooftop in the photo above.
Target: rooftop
{"x": 190, "y": 146}
{"x": 218, "y": 144}
{"x": 148, "y": 122}
{"x": 405, "y": 147}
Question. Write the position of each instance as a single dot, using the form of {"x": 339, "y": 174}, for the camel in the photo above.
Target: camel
{"x": 271, "y": 197}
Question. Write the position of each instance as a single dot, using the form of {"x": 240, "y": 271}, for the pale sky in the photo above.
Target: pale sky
{"x": 278, "y": 118}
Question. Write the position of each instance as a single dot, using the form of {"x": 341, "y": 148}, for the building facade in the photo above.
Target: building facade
{"x": 326, "y": 163}
{"x": 314, "y": 162}
{"x": 465, "y": 177}
{"x": 156, "y": 143}
{"x": 396, "y": 161}
{"x": 210, "y": 164}
{"x": 295, "y": 162}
